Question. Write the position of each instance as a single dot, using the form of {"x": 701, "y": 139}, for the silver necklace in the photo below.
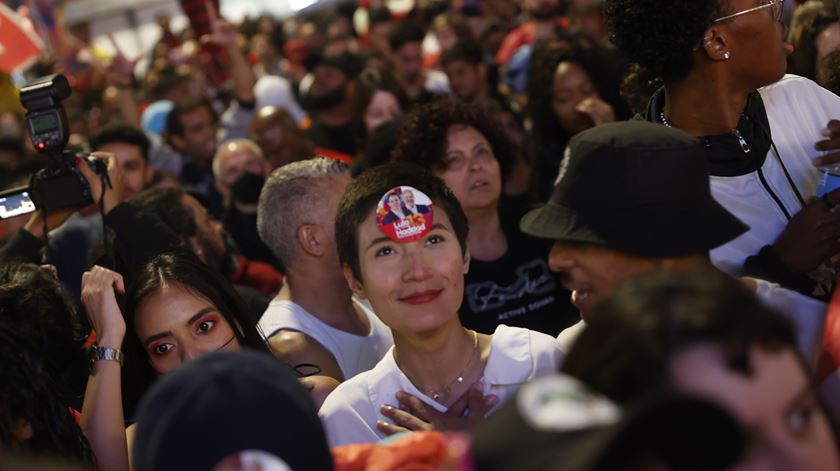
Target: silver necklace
{"x": 743, "y": 142}
{"x": 436, "y": 394}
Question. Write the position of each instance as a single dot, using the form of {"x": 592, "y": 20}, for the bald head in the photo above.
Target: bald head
{"x": 277, "y": 134}
{"x": 234, "y": 158}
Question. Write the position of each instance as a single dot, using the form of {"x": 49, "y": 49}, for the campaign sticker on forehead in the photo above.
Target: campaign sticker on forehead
{"x": 404, "y": 214}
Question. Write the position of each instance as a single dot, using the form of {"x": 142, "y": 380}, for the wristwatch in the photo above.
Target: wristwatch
{"x": 105, "y": 353}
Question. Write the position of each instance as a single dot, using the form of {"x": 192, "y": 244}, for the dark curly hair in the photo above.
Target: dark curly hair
{"x": 32, "y": 298}
{"x": 30, "y": 393}
{"x": 422, "y": 139}
{"x": 660, "y": 35}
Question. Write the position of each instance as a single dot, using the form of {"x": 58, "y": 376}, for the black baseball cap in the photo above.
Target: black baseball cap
{"x": 557, "y": 423}
{"x": 224, "y": 403}
{"x": 638, "y": 187}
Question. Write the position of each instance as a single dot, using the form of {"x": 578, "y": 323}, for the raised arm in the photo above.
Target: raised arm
{"x": 102, "y": 410}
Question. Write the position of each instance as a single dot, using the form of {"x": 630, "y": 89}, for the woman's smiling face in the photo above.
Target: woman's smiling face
{"x": 176, "y": 325}
{"x": 415, "y": 287}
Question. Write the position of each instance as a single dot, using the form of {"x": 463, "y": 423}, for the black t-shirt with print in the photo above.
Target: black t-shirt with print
{"x": 517, "y": 290}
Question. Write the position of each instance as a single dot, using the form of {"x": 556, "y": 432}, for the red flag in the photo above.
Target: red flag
{"x": 19, "y": 47}
{"x": 828, "y": 367}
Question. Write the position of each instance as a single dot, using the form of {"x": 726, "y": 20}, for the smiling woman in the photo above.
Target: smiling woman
{"x": 442, "y": 374}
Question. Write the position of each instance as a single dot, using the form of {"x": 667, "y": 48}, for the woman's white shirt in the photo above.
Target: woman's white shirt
{"x": 516, "y": 356}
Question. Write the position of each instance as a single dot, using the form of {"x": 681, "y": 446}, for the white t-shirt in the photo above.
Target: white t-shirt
{"x": 516, "y": 356}
{"x": 805, "y": 313}
{"x": 353, "y": 353}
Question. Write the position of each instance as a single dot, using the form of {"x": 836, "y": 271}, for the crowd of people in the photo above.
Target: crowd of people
{"x": 450, "y": 235}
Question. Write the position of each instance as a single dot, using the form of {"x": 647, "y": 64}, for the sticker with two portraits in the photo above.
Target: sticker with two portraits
{"x": 404, "y": 214}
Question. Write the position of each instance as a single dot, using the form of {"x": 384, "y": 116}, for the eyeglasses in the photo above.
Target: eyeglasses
{"x": 776, "y": 8}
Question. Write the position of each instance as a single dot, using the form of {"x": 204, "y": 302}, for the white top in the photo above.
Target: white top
{"x": 568, "y": 336}
{"x": 805, "y": 313}
{"x": 353, "y": 353}
{"x": 798, "y": 110}
{"x": 437, "y": 82}
{"x": 516, "y": 356}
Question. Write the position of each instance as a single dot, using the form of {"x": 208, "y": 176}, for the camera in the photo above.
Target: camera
{"x": 60, "y": 184}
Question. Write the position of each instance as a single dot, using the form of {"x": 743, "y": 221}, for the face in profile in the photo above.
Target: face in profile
{"x": 591, "y": 272}
{"x": 176, "y": 325}
{"x": 415, "y": 287}
{"x": 775, "y": 402}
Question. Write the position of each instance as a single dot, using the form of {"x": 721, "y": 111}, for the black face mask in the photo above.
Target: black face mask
{"x": 246, "y": 189}
{"x": 325, "y": 101}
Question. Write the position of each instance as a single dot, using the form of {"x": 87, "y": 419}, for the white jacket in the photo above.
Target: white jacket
{"x": 798, "y": 110}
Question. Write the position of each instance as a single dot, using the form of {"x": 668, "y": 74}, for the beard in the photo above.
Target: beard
{"x": 326, "y": 101}
{"x": 544, "y": 12}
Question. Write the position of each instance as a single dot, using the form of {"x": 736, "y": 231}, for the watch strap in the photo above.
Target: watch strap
{"x": 106, "y": 353}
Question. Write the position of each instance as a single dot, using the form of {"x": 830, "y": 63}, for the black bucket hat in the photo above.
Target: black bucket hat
{"x": 224, "y": 403}
{"x": 638, "y": 187}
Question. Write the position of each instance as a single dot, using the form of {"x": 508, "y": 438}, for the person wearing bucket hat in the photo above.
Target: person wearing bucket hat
{"x": 633, "y": 197}
{"x": 226, "y": 403}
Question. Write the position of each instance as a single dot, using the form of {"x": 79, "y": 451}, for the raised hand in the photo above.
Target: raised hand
{"x": 99, "y": 288}
{"x": 830, "y": 144}
{"x": 812, "y": 236}
{"x": 113, "y": 195}
{"x": 597, "y": 109}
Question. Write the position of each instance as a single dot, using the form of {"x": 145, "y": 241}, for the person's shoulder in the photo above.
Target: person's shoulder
{"x": 351, "y": 394}
{"x": 278, "y": 315}
{"x": 536, "y": 342}
{"x": 790, "y": 84}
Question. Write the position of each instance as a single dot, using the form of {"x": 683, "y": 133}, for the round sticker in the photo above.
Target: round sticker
{"x": 562, "y": 404}
{"x": 404, "y": 214}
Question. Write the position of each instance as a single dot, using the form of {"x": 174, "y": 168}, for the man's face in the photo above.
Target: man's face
{"x": 199, "y": 139}
{"x": 209, "y": 233}
{"x": 327, "y": 80}
{"x": 464, "y": 78}
{"x": 408, "y": 198}
{"x": 281, "y": 144}
{"x": 409, "y": 62}
{"x": 591, "y": 272}
{"x": 136, "y": 173}
{"x": 237, "y": 160}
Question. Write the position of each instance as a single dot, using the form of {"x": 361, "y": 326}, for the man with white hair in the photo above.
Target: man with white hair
{"x": 314, "y": 320}
{"x": 240, "y": 170}
{"x": 235, "y": 158}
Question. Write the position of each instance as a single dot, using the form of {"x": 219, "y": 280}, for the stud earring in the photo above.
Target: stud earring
{"x": 726, "y": 55}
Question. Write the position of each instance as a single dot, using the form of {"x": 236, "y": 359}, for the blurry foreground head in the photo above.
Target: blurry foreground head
{"x": 705, "y": 334}
{"x": 224, "y": 404}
